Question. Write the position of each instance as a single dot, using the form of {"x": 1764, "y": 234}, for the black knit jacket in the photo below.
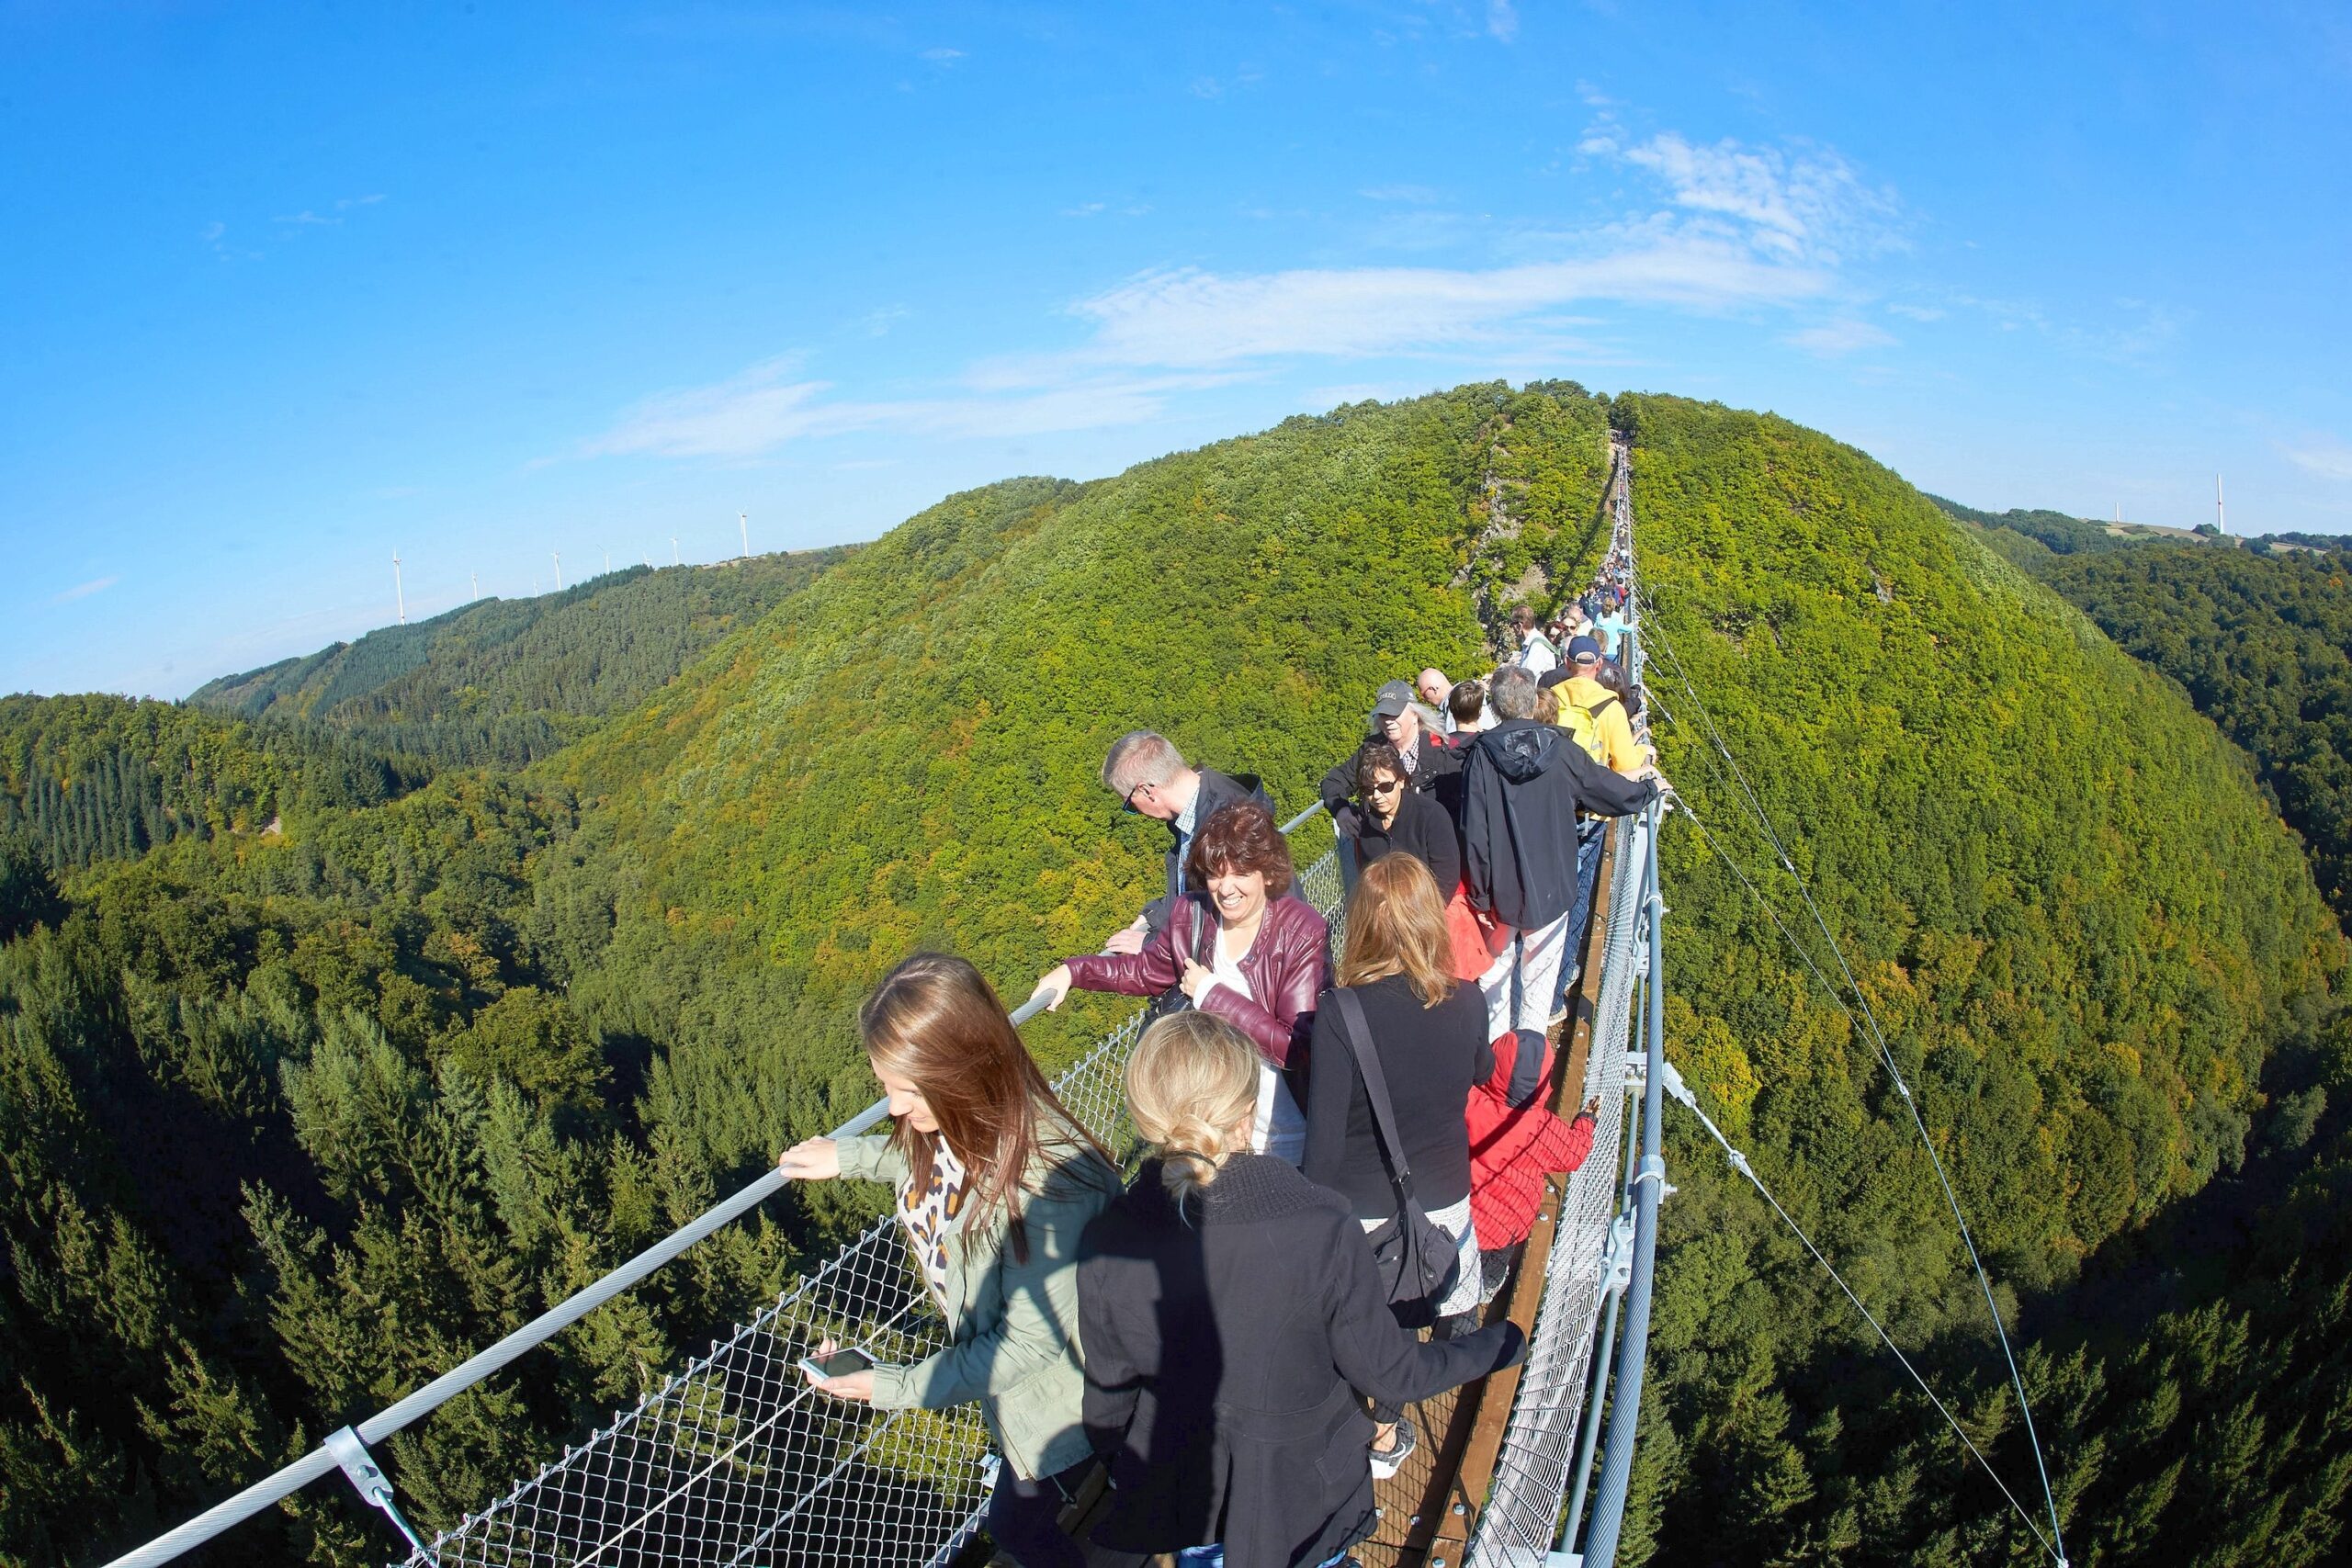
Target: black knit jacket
{"x": 1224, "y": 1350}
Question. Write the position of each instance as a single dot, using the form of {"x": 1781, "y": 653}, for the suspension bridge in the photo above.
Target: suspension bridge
{"x": 735, "y": 1461}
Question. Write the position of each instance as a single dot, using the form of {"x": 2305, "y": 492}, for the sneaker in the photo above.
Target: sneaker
{"x": 1494, "y": 1272}
{"x": 1387, "y": 1462}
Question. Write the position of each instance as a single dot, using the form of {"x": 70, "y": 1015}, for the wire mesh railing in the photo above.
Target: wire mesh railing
{"x": 1540, "y": 1450}
{"x": 1522, "y": 1509}
{"x": 736, "y": 1460}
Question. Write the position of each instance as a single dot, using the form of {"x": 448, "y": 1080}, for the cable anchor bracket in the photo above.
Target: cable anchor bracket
{"x": 360, "y": 1468}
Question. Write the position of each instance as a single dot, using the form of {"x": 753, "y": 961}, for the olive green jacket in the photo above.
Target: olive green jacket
{"x": 1012, "y": 1325}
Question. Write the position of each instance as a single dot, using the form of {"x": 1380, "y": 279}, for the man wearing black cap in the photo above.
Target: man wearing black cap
{"x": 1428, "y": 758}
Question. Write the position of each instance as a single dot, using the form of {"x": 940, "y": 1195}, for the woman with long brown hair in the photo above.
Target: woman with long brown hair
{"x": 995, "y": 1183}
{"x": 1428, "y": 1032}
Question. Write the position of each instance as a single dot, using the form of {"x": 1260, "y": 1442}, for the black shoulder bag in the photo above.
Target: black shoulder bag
{"x": 1418, "y": 1257}
{"x": 1173, "y": 999}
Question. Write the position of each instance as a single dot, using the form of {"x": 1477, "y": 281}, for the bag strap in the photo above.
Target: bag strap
{"x": 1358, "y": 1034}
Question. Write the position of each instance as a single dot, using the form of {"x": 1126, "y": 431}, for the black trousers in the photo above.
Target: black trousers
{"x": 1024, "y": 1516}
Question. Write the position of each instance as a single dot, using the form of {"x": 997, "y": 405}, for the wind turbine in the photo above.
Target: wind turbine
{"x": 608, "y": 560}
{"x": 744, "y": 521}
{"x": 400, "y": 597}
{"x": 2221, "y": 518}
{"x": 675, "y": 559}
{"x": 559, "y": 569}
{"x": 475, "y": 578}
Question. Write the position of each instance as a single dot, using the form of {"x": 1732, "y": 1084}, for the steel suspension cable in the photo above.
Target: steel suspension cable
{"x": 1681, "y": 1093}
{"x": 1878, "y": 1038}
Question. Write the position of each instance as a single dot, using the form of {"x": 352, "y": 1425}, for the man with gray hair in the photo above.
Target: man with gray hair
{"x": 1522, "y": 785}
{"x": 1151, "y": 779}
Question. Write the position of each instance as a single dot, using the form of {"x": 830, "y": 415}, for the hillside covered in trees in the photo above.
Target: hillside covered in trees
{"x": 2098, "y": 958}
{"x": 297, "y": 1109}
{"x": 504, "y": 681}
{"x": 2263, "y": 646}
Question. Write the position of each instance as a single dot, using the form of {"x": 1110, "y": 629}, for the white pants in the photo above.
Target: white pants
{"x": 1277, "y": 1127}
{"x": 1520, "y": 983}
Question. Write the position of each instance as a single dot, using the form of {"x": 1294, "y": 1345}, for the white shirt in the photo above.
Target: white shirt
{"x": 1535, "y": 655}
{"x": 1185, "y": 820}
{"x": 1277, "y": 1127}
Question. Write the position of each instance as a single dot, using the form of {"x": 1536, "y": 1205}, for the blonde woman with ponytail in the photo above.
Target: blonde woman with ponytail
{"x": 1229, "y": 1310}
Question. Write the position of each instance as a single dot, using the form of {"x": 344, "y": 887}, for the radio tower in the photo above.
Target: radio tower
{"x": 399, "y": 598}
{"x": 2221, "y": 518}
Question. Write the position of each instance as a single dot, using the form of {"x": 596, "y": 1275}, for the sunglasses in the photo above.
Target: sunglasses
{"x": 1127, "y": 801}
{"x": 1389, "y": 787}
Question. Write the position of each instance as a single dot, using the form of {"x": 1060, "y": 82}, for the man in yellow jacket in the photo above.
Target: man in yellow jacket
{"x": 1611, "y": 732}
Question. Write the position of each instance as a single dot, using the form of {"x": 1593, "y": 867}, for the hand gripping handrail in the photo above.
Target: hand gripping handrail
{"x": 465, "y": 1374}
{"x": 325, "y": 1459}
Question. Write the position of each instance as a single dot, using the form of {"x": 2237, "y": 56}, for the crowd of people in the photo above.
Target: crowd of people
{"x": 1343, "y": 1155}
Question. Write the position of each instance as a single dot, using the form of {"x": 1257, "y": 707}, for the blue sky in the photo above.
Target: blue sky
{"x": 285, "y": 290}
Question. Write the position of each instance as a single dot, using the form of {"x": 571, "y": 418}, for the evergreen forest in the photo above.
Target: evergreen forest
{"x": 362, "y": 1005}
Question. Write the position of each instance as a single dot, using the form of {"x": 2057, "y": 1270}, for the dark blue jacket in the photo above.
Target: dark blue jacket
{"x": 1523, "y": 784}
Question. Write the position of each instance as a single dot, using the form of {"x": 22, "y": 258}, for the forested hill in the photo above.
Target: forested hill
{"x": 2088, "y": 941}
{"x": 2263, "y": 645}
{"x": 290, "y": 1120}
{"x": 504, "y": 681}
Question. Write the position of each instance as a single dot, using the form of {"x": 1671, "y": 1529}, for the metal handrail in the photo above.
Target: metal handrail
{"x": 323, "y": 1461}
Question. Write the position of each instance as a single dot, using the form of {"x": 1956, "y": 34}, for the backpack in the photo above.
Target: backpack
{"x": 1583, "y": 725}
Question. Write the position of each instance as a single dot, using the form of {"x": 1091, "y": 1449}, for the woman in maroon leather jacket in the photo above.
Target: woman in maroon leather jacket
{"x": 1242, "y": 949}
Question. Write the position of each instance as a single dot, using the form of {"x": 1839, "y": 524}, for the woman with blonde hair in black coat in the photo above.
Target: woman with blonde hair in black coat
{"x": 1229, "y": 1310}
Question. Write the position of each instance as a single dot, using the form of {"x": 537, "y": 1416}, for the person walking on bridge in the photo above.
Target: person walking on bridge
{"x": 1522, "y": 785}
{"x": 1396, "y": 723}
{"x": 1242, "y": 946}
{"x": 1151, "y": 779}
{"x": 1435, "y": 689}
{"x": 1536, "y": 654}
{"x": 996, "y": 1182}
{"x": 1231, "y": 1311}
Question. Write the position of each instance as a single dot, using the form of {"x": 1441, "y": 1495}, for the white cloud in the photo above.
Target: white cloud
{"x": 760, "y": 409}
{"x": 942, "y": 56}
{"x": 747, "y": 414}
{"x": 1747, "y": 229}
{"x": 2330, "y": 459}
{"x": 84, "y": 589}
{"x": 1804, "y": 204}
{"x": 1191, "y": 318}
{"x": 1502, "y": 21}
{"x": 1833, "y": 340}
{"x": 1419, "y": 196}
{"x": 1918, "y": 313}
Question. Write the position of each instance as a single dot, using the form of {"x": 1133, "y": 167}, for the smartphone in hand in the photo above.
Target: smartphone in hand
{"x": 839, "y": 1364}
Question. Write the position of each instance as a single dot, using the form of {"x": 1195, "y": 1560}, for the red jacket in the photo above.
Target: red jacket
{"x": 1287, "y": 966}
{"x": 1511, "y": 1151}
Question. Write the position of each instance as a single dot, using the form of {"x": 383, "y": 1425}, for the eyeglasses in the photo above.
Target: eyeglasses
{"x": 1383, "y": 786}
{"x": 1128, "y": 802}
